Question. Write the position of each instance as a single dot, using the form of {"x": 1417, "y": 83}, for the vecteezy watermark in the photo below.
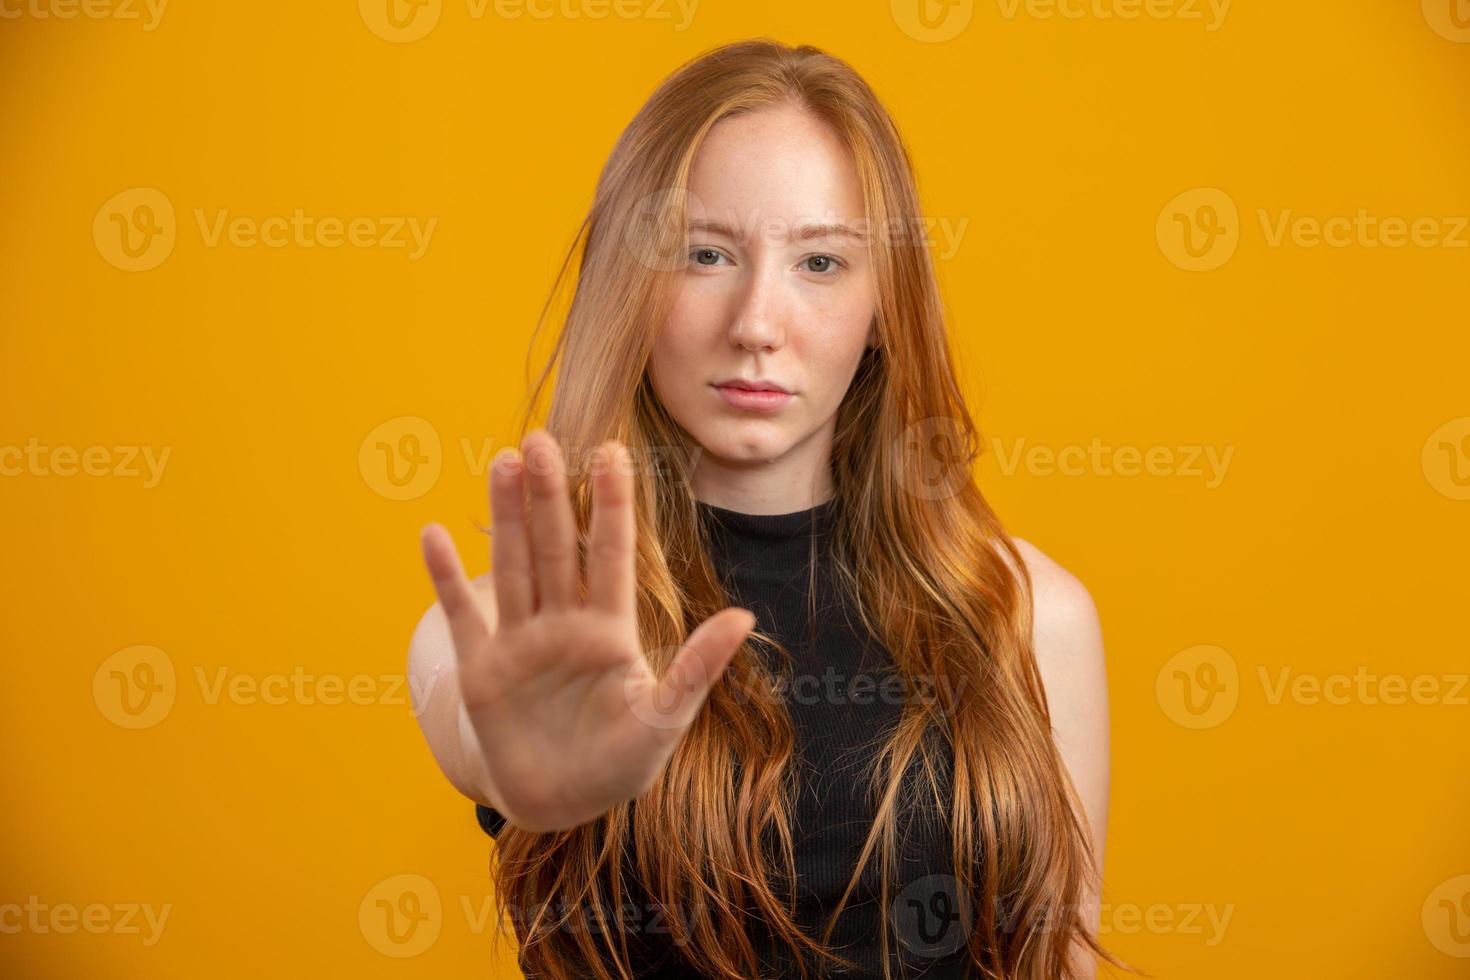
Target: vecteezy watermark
{"x": 1363, "y": 230}
{"x": 1209, "y": 13}
{"x": 1446, "y": 458}
{"x": 116, "y": 462}
{"x": 1208, "y": 464}
{"x": 933, "y": 461}
{"x": 149, "y": 13}
{"x": 1446, "y": 916}
{"x": 403, "y": 457}
{"x": 1363, "y": 686}
{"x": 1208, "y": 920}
{"x": 403, "y": 915}
{"x": 400, "y": 458}
{"x": 935, "y": 21}
{"x": 660, "y": 706}
{"x": 406, "y": 21}
{"x": 136, "y": 229}
{"x": 932, "y": 918}
{"x": 137, "y": 687}
{"x": 932, "y": 21}
{"x": 1200, "y": 230}
{"x": 1200, "y": 687}
{"x": 34, "y": 916}
{"x": 668, "y": 224}
{"x": 1450, "y": 19}
{"x": 837, "y": 687}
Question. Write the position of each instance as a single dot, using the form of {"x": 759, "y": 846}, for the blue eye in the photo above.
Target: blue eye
{"x": 828, "y": 263}
{"x": 701, "y": 254}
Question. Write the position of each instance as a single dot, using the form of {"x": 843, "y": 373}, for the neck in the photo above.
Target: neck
{"x": 798, "y": 479}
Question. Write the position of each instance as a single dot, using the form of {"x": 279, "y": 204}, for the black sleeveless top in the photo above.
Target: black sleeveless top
{"x": 843, "y": 697}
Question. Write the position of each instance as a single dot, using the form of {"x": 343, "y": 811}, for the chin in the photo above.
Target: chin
{"x": 751, "y": 441}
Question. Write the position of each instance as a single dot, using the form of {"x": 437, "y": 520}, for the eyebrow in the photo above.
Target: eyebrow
{"x": 804, "y": 233}
{"x": 808, "y": 232}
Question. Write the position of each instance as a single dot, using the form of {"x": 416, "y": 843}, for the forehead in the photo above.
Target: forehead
{"x": 774, "y": 164}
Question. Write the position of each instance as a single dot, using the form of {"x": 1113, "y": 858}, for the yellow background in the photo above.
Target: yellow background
{"x": 1332, "y": 834}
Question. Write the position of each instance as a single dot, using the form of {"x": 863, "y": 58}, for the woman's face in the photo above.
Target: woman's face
{"x": 773, "y": 291}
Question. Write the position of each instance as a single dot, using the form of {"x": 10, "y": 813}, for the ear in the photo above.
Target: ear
{"x": 873, "y": 332}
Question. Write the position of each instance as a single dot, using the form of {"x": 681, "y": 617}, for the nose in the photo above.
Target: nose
{"x": 759, "y": 321}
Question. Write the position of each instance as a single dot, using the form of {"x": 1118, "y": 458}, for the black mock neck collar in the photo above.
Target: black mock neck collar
{"x": 797, "y": 524}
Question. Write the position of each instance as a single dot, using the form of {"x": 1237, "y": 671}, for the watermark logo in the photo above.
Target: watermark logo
{"x": 404, "y": 457}
{"x": 135, "y": 687}
{"x": 1198, "y": 687}
{"x": 406, "y": 21}
{"x": 401, "y": 458}
{"x": 931, "y": 916}
{"x": 1446, "y": 458}
{"x": 658, "y": 704}
{"x": 404, "y": 915}
{"x": 932, "y": 21}
{"x": 1450, "y": 19}
{"x": 654, "y": 234}
{"x": 401, "y": 916}
{"x": 933, "y": 462}
{"x": 1446, "y": 916}
{"x": 1201, "y": 686}
{"x": 400, "y": 21}
{"x": 135, "y": 229}
{"x": 1199, "y": 229}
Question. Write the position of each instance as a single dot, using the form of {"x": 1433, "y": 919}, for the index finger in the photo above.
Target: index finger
{"x": 466, "y": 624}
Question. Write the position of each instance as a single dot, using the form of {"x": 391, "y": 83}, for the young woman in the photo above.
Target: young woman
{"x": 890, "y": 755}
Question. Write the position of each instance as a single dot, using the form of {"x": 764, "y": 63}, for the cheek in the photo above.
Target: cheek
{"x": 698, "y": 311}
{"x": 673, "y": 363}
{"x": 695, "y": 323}
{"x": 833, "y": 342}
{"x": 837, "y": 328}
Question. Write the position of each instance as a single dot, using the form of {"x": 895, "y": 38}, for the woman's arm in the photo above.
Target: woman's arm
{"x": 434, "y": 685}
{"x": 1069, "y": 655}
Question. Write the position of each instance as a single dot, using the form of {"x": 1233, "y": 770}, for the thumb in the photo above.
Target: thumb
{"x": 682, "y": 690}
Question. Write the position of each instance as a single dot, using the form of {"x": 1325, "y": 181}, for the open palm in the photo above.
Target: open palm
{"x": 570, "y": 717}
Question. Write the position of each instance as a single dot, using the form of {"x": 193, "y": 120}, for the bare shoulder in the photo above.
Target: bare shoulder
{"x": 1067, "y": 637}
{"x": 1066, "y": 619}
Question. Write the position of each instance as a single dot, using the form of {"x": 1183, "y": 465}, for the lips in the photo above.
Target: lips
{"x": 743, "y": 395}
{"x": 743, "y": 385}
